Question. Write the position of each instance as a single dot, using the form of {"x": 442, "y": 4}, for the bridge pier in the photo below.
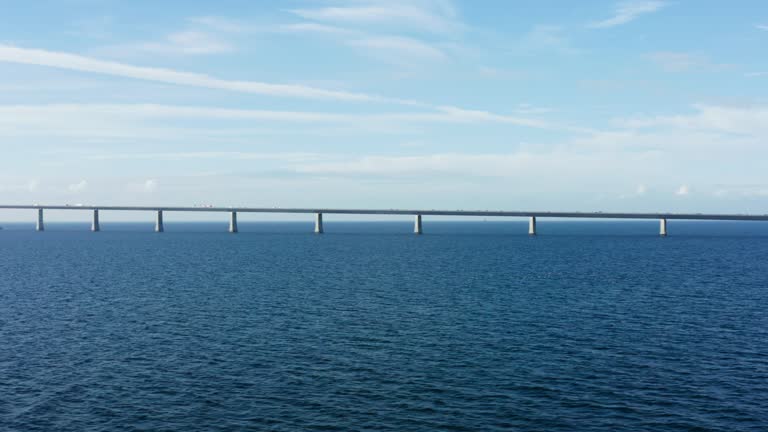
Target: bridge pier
{"x": 532, "y": 226}
{"x": 159, "y": 222}
{"x": 95, "y": 227}
{"x": 233, "y": 222}
{"x": 663, "y": 227}
{"x": 40, "y": 223}
{"x": 417, "y": 225}
{"x": 318, "y": 223}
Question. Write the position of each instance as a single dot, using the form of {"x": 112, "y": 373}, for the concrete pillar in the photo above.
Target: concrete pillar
{"x": 95, "y": 227}
{"x": 233, "y": 222}
{"x": 417, "y": 225}
{"x": 318, "y": 223}
{"x": 663, "y": 227}
{"x": 40, "y": 223}
{"x": 532, "y": 226}
{"x": 159, "y": 222}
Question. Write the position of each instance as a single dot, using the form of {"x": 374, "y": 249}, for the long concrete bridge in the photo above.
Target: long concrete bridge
{"x": 418, "y": 214}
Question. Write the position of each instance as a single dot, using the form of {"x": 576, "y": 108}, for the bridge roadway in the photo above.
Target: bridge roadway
{"x": 481, "y": 213}
{"x": 318, "y": 212}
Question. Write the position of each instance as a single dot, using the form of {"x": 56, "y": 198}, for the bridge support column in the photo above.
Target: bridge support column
{"x": 318, "y": 223}
{"x": 159, "y": 222}
{"x": 417, "y": 225}
{"x": 95, "y": 227}
{"x": 40, "y": 223}
{"x": 663, "y": 227}
{"x": 532, "y": 226}
{"x": 233, "y": 222}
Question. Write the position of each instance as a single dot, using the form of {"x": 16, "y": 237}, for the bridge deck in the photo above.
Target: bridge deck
{"x": 481, "y": 213}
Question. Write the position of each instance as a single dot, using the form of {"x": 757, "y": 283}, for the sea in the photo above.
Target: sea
{"x": 473, "y": 326}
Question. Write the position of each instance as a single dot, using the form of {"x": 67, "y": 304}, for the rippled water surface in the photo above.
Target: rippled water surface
{"x": 473, "y": 326}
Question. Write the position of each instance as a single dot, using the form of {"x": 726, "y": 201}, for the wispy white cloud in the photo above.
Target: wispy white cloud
{"x": 186, "y": 42}
{"x": 763, "y": 27}
{"x": 465, "y": 115}
{"x": 545, "y": 38}
{"x": 311, "y": 27}
{"x": 202, "y": 35}
{"x": 221, "y": 24}
{"x": 629, "y": 11}
{"x": 755, "y": 74}
{"x": 673, "y": 61}
{"x": 398, "y": 32}
{"x": 66, "y": 115}
{"x": 528, "y": 109}
{"x": 681, "y": 62}
{"x": 65, "y": 85}
{"x": 745, "y": 120}
{"x": 12, "y": 54}
{"x": 398, "y": 49}
{"x": 494, "y": 72}
{"x": 438, "y": 16}
{"x": 208, "y": 155}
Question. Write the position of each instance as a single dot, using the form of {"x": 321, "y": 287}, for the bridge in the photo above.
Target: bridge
{"x": 418, "y": 214}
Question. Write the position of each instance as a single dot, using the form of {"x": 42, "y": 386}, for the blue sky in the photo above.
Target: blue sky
{"x": 638, "y": 105}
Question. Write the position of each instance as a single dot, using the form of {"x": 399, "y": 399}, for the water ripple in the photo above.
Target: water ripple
{"x": 204, "y": 331}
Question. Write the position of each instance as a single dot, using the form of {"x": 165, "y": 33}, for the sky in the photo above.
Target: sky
{"x": 638, "y": 105}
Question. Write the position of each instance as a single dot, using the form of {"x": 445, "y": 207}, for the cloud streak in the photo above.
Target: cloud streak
{"x": 208, "y": 155}
{"x": 628, "y": 11}
{"x": 400, "y": 48}
{"x": 682, "y": 62}
{"x": 12, "y": 54}
{"x": 390, "y": 49}
{"x": 310, "y": 27}
{"x": 434, "y": 16}
{"x": 543, "y": 38}
{"x": 221, "y": 24}
{"x": 732, "y": 120}
{"x": 14, "y": 116}
{"x": 186, "y": 42}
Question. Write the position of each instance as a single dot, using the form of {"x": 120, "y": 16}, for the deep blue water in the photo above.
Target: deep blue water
{"x": 591, "y": 326}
